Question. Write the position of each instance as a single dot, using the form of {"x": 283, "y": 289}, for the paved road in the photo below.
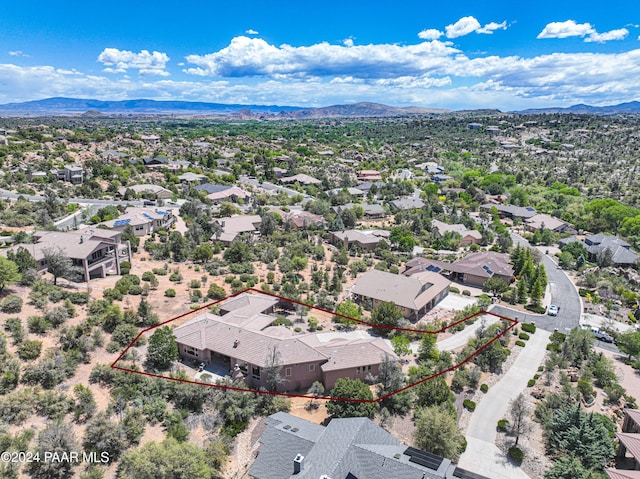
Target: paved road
{"x": 563, "y": 294}
{"x": 481, "y": 455}
{"x": 83, "y": 201}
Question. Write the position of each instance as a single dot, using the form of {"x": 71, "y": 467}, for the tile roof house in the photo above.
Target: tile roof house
{"x": 243, "y": 336}
{"x": 406, "y": 204}
{"x": 300, "y": 219}
{"x": 369, "y": 175}
{"x": 628, "y": 454}
{"x": 190, "y": 177}
{"x": 511, "y": 211}
{"x": 414, "y": 295}
{"x": 473, "y": 269}
{"x": 156, "y": 191}
{"x": 621, "y": 252}
{"x": 371, "y": 210}
{"x": 467, "y": 236}
{"x": 95, "y": 252}
{"x": 226, "y": 193}
{"x": 143, "y": 221}
{"x": 544, "y": 221}
{"x": 347, "y": 448}
{"x": 232, "y": 226}
{"x": 301, "y": 178}
{"x": 366, "y": 240}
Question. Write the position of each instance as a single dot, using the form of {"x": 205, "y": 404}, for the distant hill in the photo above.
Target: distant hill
{"x": 95, "y": 108}
{"x": 631, "y": 108}
{"x": 75, "y": 106}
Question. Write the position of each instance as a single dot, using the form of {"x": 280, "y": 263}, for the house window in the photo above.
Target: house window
{"x": 96, "y": 254}
{"x": 255, "y": 372}
{"x": 191, "y": 351}
{"x": 358, "y": 370}
{"x": 312, "y": 367}
{"x": 139, "y": 227}
{"x": 287, "y": 372}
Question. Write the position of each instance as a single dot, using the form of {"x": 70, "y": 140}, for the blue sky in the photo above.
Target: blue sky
{"x": 463, "y": 54}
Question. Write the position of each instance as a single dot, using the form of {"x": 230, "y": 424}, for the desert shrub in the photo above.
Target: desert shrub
{"x": 148, "y": 276}
{"x": 170, "y": 293}
{"x": 516, "y": 454}
{"x": 520, "y": 343}
{"x": 528, "y": 327}
{"x": 135, "y": 289}
{"x": 484, "y": 388}
{"x": 469, "y": 405}
{"x": 78, "y": 297}
{"x": 125, "y": 267}
{"x": 11, "y": 304}
{"x": 29, "y": 349}
{"x": 466, "y": 292}
{"x": 159, "y": 271}
{"x": 453, "y": 289}
{"x": 535, "y": 308}
{"x": 175, "y": 277}
{"x": 195, "y": 284}
{"x": 524, "y": 336}
{"x": 503, "y": 425}
{"x": 531, "y": 383}
{"x": 38, "y": 325}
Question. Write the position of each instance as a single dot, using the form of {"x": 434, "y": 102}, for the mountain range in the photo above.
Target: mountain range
{"x": 88, "y": 107}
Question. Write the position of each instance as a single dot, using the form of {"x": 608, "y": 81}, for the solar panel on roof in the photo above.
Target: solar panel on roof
{"x": 424, "y": 458}
{"x": 148, "y": 216}
{"x": 121, "y": 222}
{"x": 487, "y": 269}
{"x": 434, "y": 268}
{"x": 464, "y": 474}
{"x": 160, "y": 212}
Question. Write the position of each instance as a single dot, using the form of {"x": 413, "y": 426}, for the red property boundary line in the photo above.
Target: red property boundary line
{"x": 513, "y": 322}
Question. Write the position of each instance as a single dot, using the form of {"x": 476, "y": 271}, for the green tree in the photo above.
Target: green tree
{"x": 386, "y": 314}
{"x": 59, "y": 264}
{"x": 629, "y": 343}
{"x": 237, "y": 252}
{"x": 401, "y": 345}
{"x": 351, "y": 389}
{"x": 347, "y": 308}
{"x": 56, "y": 438}
{"x": 169, "y": 459}
{"x": 202, "y": 253}
{"x": 495, "y": 286}
{"x": 162, "y": 349}
{"x": 228, "y": 209}
{"x": 437, "y": 432}
{"x": 9, "y": 273}
{"x": 568, "y": 467}
{"x": 519, "y": 414}
{"x": 104, "y": 435}
{"x": 433, "y": 392}
{"x": 583, "y": 435}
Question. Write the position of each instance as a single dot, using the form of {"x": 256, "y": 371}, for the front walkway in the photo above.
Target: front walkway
{"x": 482, "y": 456}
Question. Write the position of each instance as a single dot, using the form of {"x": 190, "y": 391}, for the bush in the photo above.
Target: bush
{"x": 516, "y": 454}
{"x": 520, "y": 343}
{"x": 38, "y": 325}
{"x": 11, "y": 304}
{"x": 135, "y": 290}
{"x": 195, "y": 284}
{"x": 159, "y": 271}
{"x": 148, "y": 276}
{"x": 535, "y": 308}
{"x": 469, "y": 405}
{"x": 453, "y": 289}
{"x": 503, "y": 425}
{"x": 175, "y": 277}
{"x": 125, "y": 267}
{"x": 170, "y": 293}
{"x": 79, "y": 298}
{"x": 531, "y": 383}
{"x": 528, "y": 327}
{"x": 524, "y": 336}
{"x": 466, "y": 292}
{"x": 29, "y": 349}
{"x": 484, "y": 387}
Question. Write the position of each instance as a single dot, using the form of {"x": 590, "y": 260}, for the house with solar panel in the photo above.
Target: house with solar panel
{"x": 347, "y": 448}
{"x": 143, "y": 221}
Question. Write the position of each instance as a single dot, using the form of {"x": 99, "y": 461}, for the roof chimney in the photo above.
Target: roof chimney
{"x": 81, "y": 239}
{"x": 298, "y": 464}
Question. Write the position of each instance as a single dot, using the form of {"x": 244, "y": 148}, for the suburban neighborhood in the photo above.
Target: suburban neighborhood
{"x": 440, "y": 296}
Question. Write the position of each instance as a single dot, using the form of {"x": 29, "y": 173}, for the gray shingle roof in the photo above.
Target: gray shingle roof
{"x": 346, "y": 448}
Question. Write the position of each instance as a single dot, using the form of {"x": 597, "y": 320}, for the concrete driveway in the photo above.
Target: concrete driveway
{"x": 482, "y": 456}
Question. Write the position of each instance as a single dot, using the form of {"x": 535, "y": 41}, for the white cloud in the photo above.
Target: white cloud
{"x": 18, "y": 53}
{"x": 568, "y": 28}
{"x": 490, "y": 27}
{"x": 348, "y": 42}
{"x": 119, "y": 61}
{"x": 618, "y": 34}
{"x": 251, "y": 31}
{"x": 245, "y": 57}
{"x": 462, "y": 27}
{"x": 430, "y": 34}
